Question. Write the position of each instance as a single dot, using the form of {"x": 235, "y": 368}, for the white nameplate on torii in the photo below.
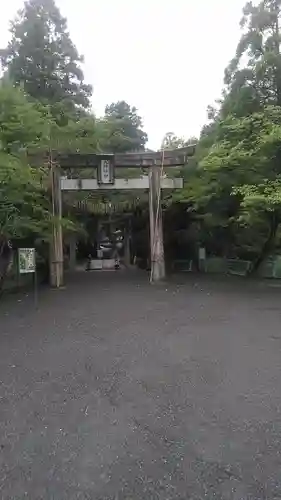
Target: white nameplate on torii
{"x": 105, "y": 172}
{"x": 139, "y": 183}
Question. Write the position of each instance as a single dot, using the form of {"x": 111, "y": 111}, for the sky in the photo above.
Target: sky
{"x": 166, "y": 57}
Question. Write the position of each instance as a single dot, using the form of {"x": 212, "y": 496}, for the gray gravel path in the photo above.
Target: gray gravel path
{"x": 118, "y": 390}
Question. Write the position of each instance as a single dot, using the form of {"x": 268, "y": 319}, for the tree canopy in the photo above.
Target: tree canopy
{"x": 21, "y": 123}
{"x": 122, "y": 128}
{"x": 42, "y": 58}
{"x": 235, "y": 187}
{"x": 260, "y": 78}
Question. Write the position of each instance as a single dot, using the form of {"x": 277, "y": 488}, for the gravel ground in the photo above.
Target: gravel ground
{"x": 118, "y": 390}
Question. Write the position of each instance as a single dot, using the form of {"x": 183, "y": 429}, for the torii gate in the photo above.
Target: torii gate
{"x": 105, "y": 180}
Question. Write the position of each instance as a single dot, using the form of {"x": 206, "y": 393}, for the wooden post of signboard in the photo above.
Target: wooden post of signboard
{"x": 27, "y": 265}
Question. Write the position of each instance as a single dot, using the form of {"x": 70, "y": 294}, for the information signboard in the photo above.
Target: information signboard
{"x": 27, "y": 262}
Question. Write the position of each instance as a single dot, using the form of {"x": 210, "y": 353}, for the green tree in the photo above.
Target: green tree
{"x": 171, "y": 141}
{"x": 24, "y": 205}
{"x": 81, "y": 136}
{"x": 234, "y": 189}
{"x": 42, "y": 58}
{"x": 253, "y": 78}
{"x": 21, "y": 123}
{"x": 121, "y": 129}
{"x": 237, "y": 183}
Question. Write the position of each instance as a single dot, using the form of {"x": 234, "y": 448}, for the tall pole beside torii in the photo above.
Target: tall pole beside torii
{"x": 105, "y": 164}
{"x": 157, "y": 257}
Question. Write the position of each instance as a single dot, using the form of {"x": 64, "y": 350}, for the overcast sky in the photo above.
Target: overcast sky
{"x": 166, "y": 57}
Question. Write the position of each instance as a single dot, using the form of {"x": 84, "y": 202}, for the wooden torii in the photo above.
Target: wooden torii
{"x": 105, "y": 164}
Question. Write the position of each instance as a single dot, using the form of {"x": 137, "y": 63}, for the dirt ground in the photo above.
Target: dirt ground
{"x": 118, "y": 390}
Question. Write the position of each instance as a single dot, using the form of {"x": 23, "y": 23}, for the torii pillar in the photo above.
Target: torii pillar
{"x": 158, "y": 271}
{"x": 56, "y": 242}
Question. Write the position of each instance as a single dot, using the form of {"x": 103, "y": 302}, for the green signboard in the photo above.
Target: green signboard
{"x": 27, "y": 260}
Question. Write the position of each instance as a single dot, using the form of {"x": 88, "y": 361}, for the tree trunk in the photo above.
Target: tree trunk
{"x": 268, "y": 245}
